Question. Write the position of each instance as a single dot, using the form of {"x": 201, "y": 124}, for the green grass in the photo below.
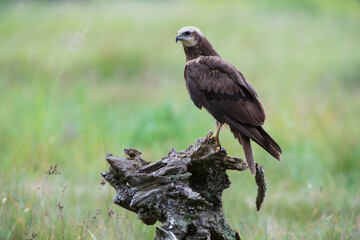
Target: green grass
{"x": 79, "y": 80}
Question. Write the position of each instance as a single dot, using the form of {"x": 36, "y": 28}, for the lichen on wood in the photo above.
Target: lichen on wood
{"x": 182, "y": 190}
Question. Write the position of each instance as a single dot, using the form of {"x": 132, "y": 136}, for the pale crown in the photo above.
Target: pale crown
{"x": 190, "y": 29}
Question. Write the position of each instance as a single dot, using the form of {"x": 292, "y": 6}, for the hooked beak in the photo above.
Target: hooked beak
{"x": 178, "y": 38}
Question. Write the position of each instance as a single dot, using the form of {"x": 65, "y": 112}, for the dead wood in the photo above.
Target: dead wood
{"x": 183, "y": 190}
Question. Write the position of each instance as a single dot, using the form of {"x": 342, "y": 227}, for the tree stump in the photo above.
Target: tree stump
{"x": 183, "y": 190}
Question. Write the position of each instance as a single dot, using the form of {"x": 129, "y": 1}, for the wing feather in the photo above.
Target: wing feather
{"x": 218, "y": 86}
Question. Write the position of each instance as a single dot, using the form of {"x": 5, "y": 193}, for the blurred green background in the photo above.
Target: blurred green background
{"x": 81, "y": 79}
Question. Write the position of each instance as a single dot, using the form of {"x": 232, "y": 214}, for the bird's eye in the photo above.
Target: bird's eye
{"x": 187, "y": 33}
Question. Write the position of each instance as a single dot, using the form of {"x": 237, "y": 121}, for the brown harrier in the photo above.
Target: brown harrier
{"x": 224, "y": 92}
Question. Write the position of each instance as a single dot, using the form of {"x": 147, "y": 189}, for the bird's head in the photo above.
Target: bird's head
{"x": 189, "y": 36}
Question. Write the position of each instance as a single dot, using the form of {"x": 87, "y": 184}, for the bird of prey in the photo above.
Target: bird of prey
{"x": 224, "y": 92}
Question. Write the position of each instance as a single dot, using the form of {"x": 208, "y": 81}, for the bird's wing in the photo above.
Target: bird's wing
{"x": 218, "y": 86}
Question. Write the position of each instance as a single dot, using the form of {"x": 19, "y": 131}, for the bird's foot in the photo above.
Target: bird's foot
{"x": 216, "y": 139}
{"x": 209, "y": 135}
{"x": 217, "y": 142}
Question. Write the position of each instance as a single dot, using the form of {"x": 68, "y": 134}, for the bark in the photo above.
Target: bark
{"x": 183, "y": 190}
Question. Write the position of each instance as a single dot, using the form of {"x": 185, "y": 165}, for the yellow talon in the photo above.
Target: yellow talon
{"x": 217, "y": 142}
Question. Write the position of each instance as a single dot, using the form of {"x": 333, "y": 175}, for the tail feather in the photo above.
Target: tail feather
{"x": 257, "y": 134}
{"x": 274, "y": 148}
{"x": 246, "y": 144}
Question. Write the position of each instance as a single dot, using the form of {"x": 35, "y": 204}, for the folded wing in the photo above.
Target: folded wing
{"x": 220, "y": 88}
{"x": 223, "y": 91}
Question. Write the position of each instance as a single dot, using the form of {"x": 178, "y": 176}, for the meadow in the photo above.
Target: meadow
{"x": 79, "y": 80}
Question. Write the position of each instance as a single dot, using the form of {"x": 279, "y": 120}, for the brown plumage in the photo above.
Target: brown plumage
{"x": 224, "y": 92}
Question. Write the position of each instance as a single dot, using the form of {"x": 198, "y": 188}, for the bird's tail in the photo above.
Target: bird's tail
{"x": 246, "y": 144}
{"x": 269, "y": 144}
{"x": 242, "y": 131}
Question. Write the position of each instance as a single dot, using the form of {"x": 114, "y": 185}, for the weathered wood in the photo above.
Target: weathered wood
{"x": 183, "y": 190}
